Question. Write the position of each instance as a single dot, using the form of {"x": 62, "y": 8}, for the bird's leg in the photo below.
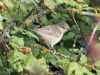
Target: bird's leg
{"x": 52, "y": 50}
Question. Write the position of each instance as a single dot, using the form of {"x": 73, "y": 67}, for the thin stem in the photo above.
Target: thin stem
{"x": 29, "y": 13}
{"x": 93, "y": 33}
{"x": 79, "y": 28}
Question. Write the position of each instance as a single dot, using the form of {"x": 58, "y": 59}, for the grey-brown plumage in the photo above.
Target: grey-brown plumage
{"x": 52, "y": 34}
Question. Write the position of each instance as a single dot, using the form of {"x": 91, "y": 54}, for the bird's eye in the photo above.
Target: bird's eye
{"x": 64, "y": 27}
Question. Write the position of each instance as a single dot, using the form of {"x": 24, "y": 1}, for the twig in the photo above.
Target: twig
{"x": 93, "y": 33}
{"x": 75, "y": 40}
{"x": 32, "y": 10}
{"x": 79, "y": 28}
{"x": 90, "y": 14}
{"x": 64, "y": 56}
{"x": 29, "y": 13}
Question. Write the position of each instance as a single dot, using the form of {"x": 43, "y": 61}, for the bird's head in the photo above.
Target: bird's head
{"x": 65, "y": 27}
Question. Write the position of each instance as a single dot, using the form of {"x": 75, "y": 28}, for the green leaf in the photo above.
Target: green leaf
{"x": 15, "y": 30}
{"x": 23, "y": 7}
{"x": 83, "y": 58}
{"x": 63, "y": 63}
{"x": 68, "y": 36}
{"x": 50, "y": 3}
{"x": 28, "y": 64}
{"x": 56, "y": 16}
{"x": 86, "y": 71}
{"x": 15, "y": 56}
{"x": 30, "y": 34}
{"x": 16, "y": 59}
{"x": 74, "y": 69}
{"x": 60, "y": 1}
{"x": 17, "y": 40}
{"x": 35, "y": 51}
{"x": 63, "y": 50}
{"x": 40, "y": 67}
{"x": 17, "y": 66}
{"x": 50, "y": 58}
{"x": 44, "y": 20}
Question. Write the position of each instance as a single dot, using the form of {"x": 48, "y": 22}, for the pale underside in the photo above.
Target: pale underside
{"x": 50, "y": 34}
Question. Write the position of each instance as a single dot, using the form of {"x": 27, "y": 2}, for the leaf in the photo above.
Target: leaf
{"x": 15, "y": 56}
{"x": 74, "y": 4}
{"x": 30, "y": 34}
{"x": 74, "y": 69}
{"x": 77, "y": 69}
{"x": 50, "y": 58}
{"x": 8, "y": 4}
{"x": 63, "y": 63}
{"x": 68, "y": 36}
{"x": 44, "y": 20}
{"x": 17, "y": 40}
{"x": 83, "y": 58}
{"x": 16, "y": 59}
{"x": 86, "y": 71}
{"x": 23, "y": 7}
{"x": 50, "y": 3}
{"x": 64, "y": 51}
{"x": 28, "y": 64}
{"x": 15, "y": 30}
{"x": 17, "y": 66}
{"x": 56, "y": 16}
{"x": 40, "y": 67}
{"x": 60, "y": 1}
{"x": 36, "y": 51}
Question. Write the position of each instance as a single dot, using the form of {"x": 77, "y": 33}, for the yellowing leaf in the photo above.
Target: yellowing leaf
{"x": 2, "y": 7}
{"x": 8, "y": 4}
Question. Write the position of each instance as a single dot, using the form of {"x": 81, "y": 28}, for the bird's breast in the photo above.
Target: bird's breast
{"x": 52, "y": 40}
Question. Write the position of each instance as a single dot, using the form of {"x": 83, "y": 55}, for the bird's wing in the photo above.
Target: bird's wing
{"x": 52, "y": 30}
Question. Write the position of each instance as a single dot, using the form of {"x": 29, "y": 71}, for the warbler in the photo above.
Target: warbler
{"x": 52, "y": 34}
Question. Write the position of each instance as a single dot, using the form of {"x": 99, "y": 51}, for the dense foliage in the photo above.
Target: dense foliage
{"x": 21, "y": 50}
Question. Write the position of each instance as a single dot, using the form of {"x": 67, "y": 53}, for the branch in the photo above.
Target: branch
{"x": 32, "y": 10}
{"x": 79, "y": 28}
{"x": 93, "y": 33}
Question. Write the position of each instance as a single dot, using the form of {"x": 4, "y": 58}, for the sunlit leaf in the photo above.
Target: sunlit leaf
{"x": 83, "y": 58}
{"x": 18, "y": 41}
{"x": 50, "y": 3}
{"x": 74, "y": 68}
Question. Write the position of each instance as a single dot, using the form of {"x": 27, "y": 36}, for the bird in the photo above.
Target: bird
{"x": 52, "y": 34}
